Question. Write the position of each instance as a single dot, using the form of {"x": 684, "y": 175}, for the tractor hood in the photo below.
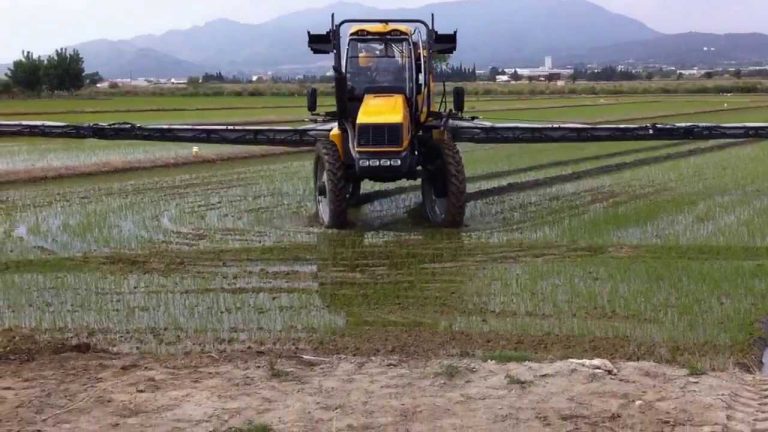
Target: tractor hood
{"x": 383, "y": 109}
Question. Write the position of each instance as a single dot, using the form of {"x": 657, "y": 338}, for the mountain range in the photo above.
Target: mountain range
{"x": 491, "y": 32}
{"x": 687, "y": 50}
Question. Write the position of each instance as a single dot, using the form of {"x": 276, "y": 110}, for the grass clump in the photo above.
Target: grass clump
{"x": 448, "y": 371}
{"x": 696, "y": 370}
{"x": 251, "y": 427}
{"x": 507, "y": 356}
{"x": 275, "y": 371}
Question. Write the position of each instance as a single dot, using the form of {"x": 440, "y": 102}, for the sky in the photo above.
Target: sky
{"x": 43, "y": 25}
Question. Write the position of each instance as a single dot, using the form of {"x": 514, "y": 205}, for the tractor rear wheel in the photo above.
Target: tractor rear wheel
{"x": 331, "y": 186}
{"x": 444, "y": 184}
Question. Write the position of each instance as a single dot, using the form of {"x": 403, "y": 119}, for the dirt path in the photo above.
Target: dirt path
{"x": 106, "y": 392}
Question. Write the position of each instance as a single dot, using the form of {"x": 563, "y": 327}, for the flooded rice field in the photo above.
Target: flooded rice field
{"x": 636, "y": 251}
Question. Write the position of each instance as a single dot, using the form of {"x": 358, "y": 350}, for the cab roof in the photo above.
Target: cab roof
{"x": 380, "y": 29}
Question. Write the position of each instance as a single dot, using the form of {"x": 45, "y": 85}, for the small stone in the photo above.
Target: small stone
{"x": 597, "y": 364}
{"x": 639, "y": 403}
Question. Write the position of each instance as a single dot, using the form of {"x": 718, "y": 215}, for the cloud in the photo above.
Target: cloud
{"x": 677, "y": 16}
{"x": 43, "y": 25}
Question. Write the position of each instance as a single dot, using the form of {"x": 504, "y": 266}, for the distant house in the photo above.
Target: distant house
{"x": 261, "y": 77}
{"x": 543, "y": 73}
{"x": 696, "y": 72}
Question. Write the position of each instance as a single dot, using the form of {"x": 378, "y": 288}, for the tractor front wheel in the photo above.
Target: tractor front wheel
{"x": 331, "y": 186}
{"x": 444, "y": 184}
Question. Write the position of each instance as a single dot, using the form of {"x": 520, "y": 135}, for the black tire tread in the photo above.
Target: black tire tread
{"x": 456, "y": 181}
{"x": 337, "y": 184}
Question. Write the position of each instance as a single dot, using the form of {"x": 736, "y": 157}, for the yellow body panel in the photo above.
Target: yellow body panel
{"x": 383, "y": 109}
{"x": 378, "y": 109}
{"x": 382, "y": 28}
{"x": 338, "y": 138}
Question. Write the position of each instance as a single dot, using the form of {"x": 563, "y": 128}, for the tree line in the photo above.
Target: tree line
{"x": 63, "y": 71}
{"x": 455, "y": 73}
{"x": 217, "y": 77}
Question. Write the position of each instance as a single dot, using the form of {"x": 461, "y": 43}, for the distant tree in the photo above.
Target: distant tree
{"x": 454, "y": 73}
{"x": 515, "y": 76}
{"x": 708, "y": 75}
{"x": 440, "y": 61}
{"x": 493, "y": 72}
{"x": 93, "y": 78}
{"x": 6, "y": 87}
{"x": 113, "y": 85}
{"x": 218, "y": 77}
{"x": 64, "y": 71}
{"x": 75, "y": 71}
{"x": 738, "y": 73}
{"x": 757, "y": 73}
{"x": 649, "y": 76}
{"x": 607, "y": 73}
{"x": 193, "y": 80}
{"x": 680, "y": 76}
{"x": 578, "y": 73}
{"x": 26, "y": 73}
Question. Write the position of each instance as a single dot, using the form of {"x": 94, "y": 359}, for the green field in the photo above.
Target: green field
{"x": 636, "y": 251}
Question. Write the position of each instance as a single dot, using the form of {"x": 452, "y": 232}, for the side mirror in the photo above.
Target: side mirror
{"x": 458, "y": 99}
{"x": 312, "y": 99}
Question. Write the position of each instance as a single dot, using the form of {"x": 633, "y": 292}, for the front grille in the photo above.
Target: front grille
{"x": 380, "y": 136}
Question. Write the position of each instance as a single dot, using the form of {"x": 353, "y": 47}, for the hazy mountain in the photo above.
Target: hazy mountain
{"x": 123, "y": 59}
{"x": 505, "y": 32}
{"x": 686, "y": 49}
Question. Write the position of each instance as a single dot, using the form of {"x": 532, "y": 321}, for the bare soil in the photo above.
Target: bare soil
{"x": 213, "y": 392}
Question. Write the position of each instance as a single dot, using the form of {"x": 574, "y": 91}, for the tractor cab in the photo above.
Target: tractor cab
{"x": 380, "y": 60}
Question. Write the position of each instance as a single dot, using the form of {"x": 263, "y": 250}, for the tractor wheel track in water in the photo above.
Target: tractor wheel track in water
{"x": 537, "y": 183}
{"x": 370, "y": 197}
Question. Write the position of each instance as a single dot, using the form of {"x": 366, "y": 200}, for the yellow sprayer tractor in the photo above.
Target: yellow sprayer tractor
{"x": 387, "y": 129}
{"x": 388, "y": 124}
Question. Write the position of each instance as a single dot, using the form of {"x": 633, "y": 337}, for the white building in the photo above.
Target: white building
{"x": 261, "y": 77}
{"x": 543, "y": 72}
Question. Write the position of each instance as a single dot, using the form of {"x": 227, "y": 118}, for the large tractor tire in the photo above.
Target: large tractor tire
{"x": 331, "y": 187}
{"x": 444, "y": 184}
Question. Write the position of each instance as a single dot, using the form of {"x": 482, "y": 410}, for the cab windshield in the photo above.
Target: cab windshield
{"x": 380, "y": 63}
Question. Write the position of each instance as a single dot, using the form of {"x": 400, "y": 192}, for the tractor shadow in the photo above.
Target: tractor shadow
{"x": 373, "y": 196}
{"x": 537, "y": 183}
{"x": 414, "y": 219}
